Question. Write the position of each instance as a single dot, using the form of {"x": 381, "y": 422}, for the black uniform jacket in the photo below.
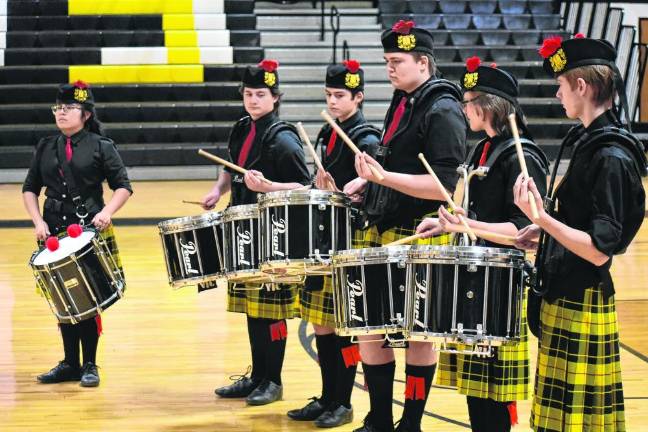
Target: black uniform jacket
{"x": 277, "y": 152}
{"x": 601, "y": 193}
{"x": 94, "y": 159}
{"x": 341, "y": 162}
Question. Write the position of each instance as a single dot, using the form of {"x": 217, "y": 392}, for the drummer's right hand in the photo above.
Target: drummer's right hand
{"x": 210, "y": 200}
{"x": 355, "y": 188}
{"x": 429, "y": 227}
{"x": 324, "y": 181}
{"x": 527, "y": 237}
{"x": 42, "y": 231}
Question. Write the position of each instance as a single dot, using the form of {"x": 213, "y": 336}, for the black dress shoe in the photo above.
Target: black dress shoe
{"x": 241, "y": 387}
{"x": 403, "y": 426}
{"x": 368, "y": 427}
{"x": 310, "y": 412}
{"x": 266, "y": 393}
{"x": 334, "y": 417}
{"x": 89, "y": 375}
{"x": 60, "y": 373}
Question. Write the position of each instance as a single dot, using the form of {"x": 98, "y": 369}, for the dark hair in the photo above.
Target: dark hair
{"x": 431, "y": 62}
{"x": 273, "y": 91}
{"x": 92, "y": 124}
{"x": 600, "y": 77}
{"x": 496, "y": 109}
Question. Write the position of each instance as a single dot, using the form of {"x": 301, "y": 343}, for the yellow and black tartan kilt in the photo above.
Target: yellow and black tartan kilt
{"x": 263, "y": 303}
{"x": 372, "y": 238}
{"x": 502, "y": 378}
{"x": 316, "y": 307}
{"x": 578, "y": 378}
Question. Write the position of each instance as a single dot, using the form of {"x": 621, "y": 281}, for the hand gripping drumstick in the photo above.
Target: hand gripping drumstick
{"x": 348, "y": 141}
{"x": 447, "y": 197}
{"x": 228, "y": 164}
{"x": 304, "y": 137}
{"x": 523, "y": 166}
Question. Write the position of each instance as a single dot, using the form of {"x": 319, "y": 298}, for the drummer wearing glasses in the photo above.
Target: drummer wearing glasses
{"x": 492, "y": 385}
{"x": 75, "y": 163}
{"x": 267, "y": 147}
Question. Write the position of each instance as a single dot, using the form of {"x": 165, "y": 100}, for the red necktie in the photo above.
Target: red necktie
{"x": 396, "y": 118}
{"x": 331, "y": 144}
{"x": 484, "y": 155}
{"x": 68, "y": 149}
{"x": 247, "y": 146}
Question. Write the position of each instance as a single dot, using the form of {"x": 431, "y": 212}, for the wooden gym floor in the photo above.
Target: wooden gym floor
{"x": 163, "y": 352}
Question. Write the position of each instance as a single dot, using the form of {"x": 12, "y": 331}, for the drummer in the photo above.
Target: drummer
{"x": 91, "y": 158}
{"x": 267, "y": 147}
{"x": 492, "y": 385}
{"x": 337, "y": 356}
{"x": 424, "y": 117}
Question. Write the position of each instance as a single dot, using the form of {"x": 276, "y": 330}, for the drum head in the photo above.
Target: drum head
{"x": 67, "y": 247}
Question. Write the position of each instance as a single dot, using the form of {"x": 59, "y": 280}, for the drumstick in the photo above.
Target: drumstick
{"x": 228, "y": 164}
{"x": 523, "y": 166}
{"x": 192, "y": 202}
{"x": 447, "y": 197}
{"x": 487, "y": 235}
{"x": 348, "y": 141}
{"x": 404, "y": 240}
{"x": 318, "y": 162}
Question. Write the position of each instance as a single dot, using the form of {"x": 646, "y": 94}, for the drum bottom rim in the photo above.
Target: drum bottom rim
{"x": 297, "y": 267}
{"x": 180, "y": 283}
{"x": 95, "y": 310}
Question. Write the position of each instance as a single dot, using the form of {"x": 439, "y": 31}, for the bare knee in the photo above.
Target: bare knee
{"x": 372, "y": 352}
{"x": 421, "y": 354}
{"x": 322, "y": 330}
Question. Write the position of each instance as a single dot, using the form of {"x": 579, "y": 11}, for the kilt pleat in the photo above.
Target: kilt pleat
{"x": 578, "y": 378}
{"x": 316, "y": 307}
{"x": 262, "y": 303}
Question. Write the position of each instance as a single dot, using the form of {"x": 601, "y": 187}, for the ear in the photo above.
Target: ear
{"x": 424, "y": 62}
{"x": 581, "y": 87}
{"x": 86, "y": 116}
{"x": 359, "y": 97}
{"x": 275, "y": 98}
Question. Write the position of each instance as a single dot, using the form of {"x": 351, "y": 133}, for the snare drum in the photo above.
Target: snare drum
{"x": 369, "y": 290}
{"x": 466, "y": 294}
{"x": 193, "y": 249}
{"x": 302, "y": 229}
{"x": 242, "y": 243}
{"x": 80, "y": 279}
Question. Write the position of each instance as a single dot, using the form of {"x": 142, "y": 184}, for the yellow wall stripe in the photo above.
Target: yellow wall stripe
{"x": 183, "y": 55}
{"x": 178, "y": 22}
{"x": 127, "y": 7}
{"x": 138, "y": 74}
{"x": 183, "y": 38}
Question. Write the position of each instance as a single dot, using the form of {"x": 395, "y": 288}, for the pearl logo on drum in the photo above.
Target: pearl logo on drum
{"x": 421, "y": 295}
{"x": 243, "y": 238}
{"x": 278, "y": 228}
{"x": 355, "y": 289}
{"x": 188, "y": 249}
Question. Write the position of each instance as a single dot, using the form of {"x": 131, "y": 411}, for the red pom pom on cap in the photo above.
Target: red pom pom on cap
{"x": 579, "y": 36}
{"x": 269, "y": 65}
{"x": 74, "y": 230}
{"x": 550, "y": 46}
{"x": 352, "y": 65}
{"x": 81, "y": 84}
{"x": 473, "y": 63}
{"x": 403, "y": 27}
{"x": 52, "y": 243}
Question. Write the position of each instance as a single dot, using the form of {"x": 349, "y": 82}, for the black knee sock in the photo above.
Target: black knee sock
{"x": 89, "y": 335}
{"x": 417, "y": 388}
{"x": 327, "y": 355}
{"x": 70, "y": 335}
{"x": 257, "y": 330}
{"x": 276, "y": 334}
{"x": 487, "y": 415}
{"x": 380, "y": 383}
{"x": 348, "y": 356}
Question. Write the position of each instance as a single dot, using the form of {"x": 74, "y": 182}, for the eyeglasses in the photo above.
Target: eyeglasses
{"x": 464, "y": 103}
{"x": 65, "y": 108}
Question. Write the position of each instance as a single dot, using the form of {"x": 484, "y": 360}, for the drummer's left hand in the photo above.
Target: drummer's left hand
{"x": 362, "y": 163}
{"x": 449, "y": 221}
{"x": 102, "y": 220}
{"x": 253, "y": 181}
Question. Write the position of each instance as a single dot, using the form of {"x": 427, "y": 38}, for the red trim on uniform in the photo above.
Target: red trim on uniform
{"x": 484, "y": 155}
{"x": 512, "y": 409}
{"x": 415, "y": 388}
{"x": 331, "y": 144}
{"x": 278, "y": 331}
{"x": 351, "y": 355}
{"x": 99, "y": 325}
{"x": 247, "y": 146}
{"x": 396, "y": 118}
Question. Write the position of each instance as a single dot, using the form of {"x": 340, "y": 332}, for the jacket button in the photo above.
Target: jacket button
{"x": 64, "y": 217}
{"x": 64, "y": 196}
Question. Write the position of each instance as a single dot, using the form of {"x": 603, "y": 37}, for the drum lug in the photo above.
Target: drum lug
{"x": 321, "y": 207}
{"x": 472, "y": 267}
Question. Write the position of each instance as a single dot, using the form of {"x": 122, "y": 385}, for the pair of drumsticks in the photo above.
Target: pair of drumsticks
{"x": 464, "y": 227}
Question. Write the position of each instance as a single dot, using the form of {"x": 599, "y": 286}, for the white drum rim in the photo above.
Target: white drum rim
{"x": 386, "y": 253}
{"x": 246, "y": 211}
{"x": 66, "y": 258}
{"x": 188, "y": 223}
{"x": 469, "y": 254}
{"x": 303, "y": 197}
